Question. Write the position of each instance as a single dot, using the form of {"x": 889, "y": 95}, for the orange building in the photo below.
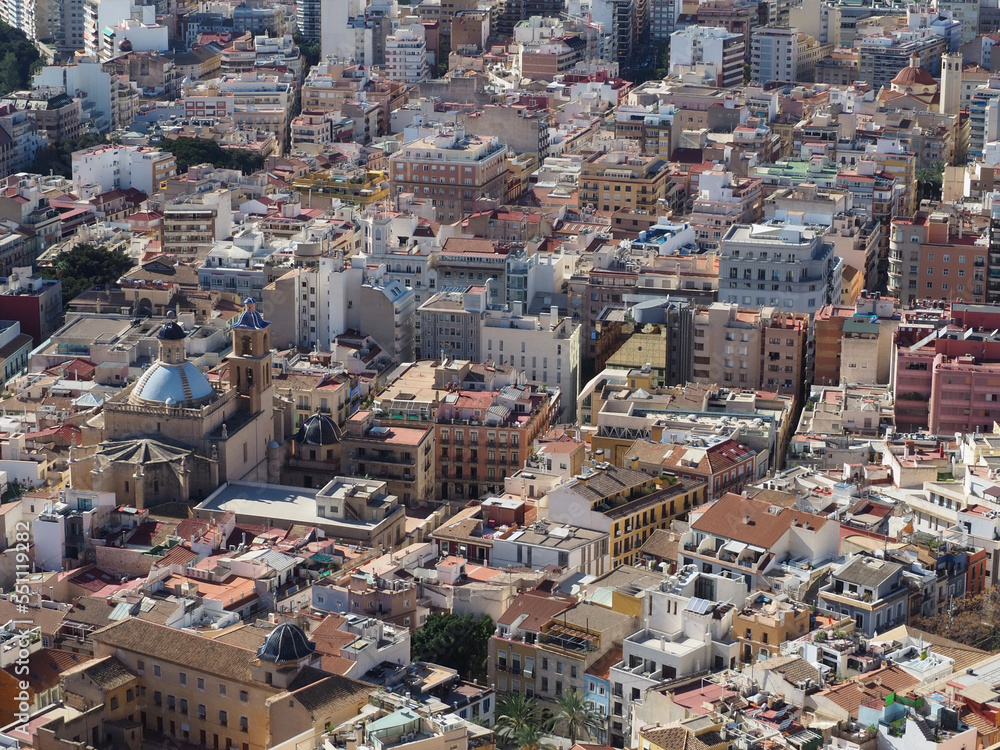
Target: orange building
{"x": 828, "y": 331}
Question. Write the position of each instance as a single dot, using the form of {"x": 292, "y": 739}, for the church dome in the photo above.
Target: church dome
{"x": 250, "y": 318}
{"x": 318, "y": 429}
{"x": 173, "y": 385}
{"x": 170, "y": 331}
{"x": 286, "y": 642}
{"x": 914, "y": 76}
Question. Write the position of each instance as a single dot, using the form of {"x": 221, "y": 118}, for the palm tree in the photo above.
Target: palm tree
{"x": 531, "y": 737}
{"x": 574, "y": 718}
{"x": 515, "y": 714}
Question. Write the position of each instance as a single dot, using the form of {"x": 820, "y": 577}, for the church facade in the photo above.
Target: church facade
{"x": 174, "y": 437}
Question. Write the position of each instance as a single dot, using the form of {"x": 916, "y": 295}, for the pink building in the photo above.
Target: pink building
{"x": 947, "y": 376}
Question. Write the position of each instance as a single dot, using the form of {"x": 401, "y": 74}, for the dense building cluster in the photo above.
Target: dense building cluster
{"x": 500, "y": 375}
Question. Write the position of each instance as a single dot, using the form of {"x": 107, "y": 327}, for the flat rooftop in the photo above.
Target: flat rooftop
{"x": 282, "y": 504}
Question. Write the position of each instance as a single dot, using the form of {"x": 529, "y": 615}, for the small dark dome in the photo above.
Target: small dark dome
{"x": 125, "y": 45}
{"x": 286, "y": 642}
{"x": 318, "y": 429}
{"x": 171, "y": 331}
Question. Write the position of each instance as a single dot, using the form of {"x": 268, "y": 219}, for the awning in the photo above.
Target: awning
{"x": 734, "y": 547}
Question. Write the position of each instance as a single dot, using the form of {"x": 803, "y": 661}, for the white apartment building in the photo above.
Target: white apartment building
{"x": 38, "y": 19}
{"x": 687, "y": 629}
{"x": 99, "y": 19}
{"x": 791, "y": 267}
{"x": 97, "y": 89}
{"x": 544, "y": 543}
{"x": 714, "y": 47}
{"x": 406, "y": 55}
{"x": 344, "y": 31}
{"x": 116, "y": 167}
{"x": 545, "y": 346}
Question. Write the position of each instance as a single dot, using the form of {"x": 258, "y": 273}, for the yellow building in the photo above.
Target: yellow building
{"x": 765, "y": 622}
{"x": 210, "y": 692}
{"x": 623, "y": 181}
{"x": 628, "y": 504}
{"x": 358, "y": 188}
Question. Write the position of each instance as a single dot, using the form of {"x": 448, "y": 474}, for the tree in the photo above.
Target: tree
{"x": 574, "y": 718}
{"x": 192, "y": 151}
{"x": 515, "y": 715}
{"x": 19, "y": 57}
{"x": 930, "y": 181}
{"x": 86, "y": 265}
{"x": 972, "y": 620}
{"x": 310, "y": 49}
{"x": 532, "y": 738}
{"x": 457, "y": 641}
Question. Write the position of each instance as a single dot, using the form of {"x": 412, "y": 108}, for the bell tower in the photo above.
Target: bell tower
{"x": 251, "y": 359}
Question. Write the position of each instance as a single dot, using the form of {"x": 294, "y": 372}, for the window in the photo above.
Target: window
{"x": 223, "y": 719}
{"x": 114, "y": 702}
{"x": 222, "y": 688}
{"x": 183, "y": 678}
{"x": 201, "y": 711}
{"x": 244, "y": 696}
{"x": 201, "y": 683}
{"x": 244, "y": 724}
{"x": 156, "y": 670}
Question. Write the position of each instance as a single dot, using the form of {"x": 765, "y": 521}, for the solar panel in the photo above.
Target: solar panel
{"x": 699, "y": 606}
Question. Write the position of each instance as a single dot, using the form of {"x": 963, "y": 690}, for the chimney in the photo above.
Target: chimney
{"x": 634, "y": 463}
{"x": 746, "y": 520}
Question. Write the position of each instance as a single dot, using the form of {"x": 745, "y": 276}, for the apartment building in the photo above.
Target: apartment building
{"x": 783, "y": 54}
{"x": 329, "y": 85}
{"x": 251, "y": 99}
{"x": 483, "y": 436}
{"x": 626, "y": 503}
{"x": 450, "y": 324}
{"x": 542, "y": 648}
{"x": 724, "y": 465}
{"x": 452, "y": 170}
{"x": 718, "y": 50}
{"x": 546, "y": 347}
{"x": 401, "y": 456}
{"x": 931, "y": 256}
{"x": 190, "y": 221}
{"x": 544, "y": 543}
{"x": 687, "y": 629}
{"x": 406, "y": 55}
{"x": 615, "y": 181}
{"x": 722, "y": 200}
{"x": 748, "y": 538}
{"x": 764, "y": 622}
{"x": 117, "y": 167}
{"x": 790, "y": 267}
{"x": 32, "y": 300}
{"x": 944, "y": 381}
{"x": 871, "y": 591}
{"x": 750, "y": 348}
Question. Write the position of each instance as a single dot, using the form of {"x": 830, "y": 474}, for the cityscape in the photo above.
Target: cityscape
{"x": 499, "y": 375}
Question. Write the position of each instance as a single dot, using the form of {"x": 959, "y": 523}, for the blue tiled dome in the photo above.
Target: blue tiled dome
{"x": 170, "y": 331}
{"x": 250, "y": 318}
{"x": 286, "y": 642}
{"x": 175, "y": 385}
{"x": 318, "y": 429}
